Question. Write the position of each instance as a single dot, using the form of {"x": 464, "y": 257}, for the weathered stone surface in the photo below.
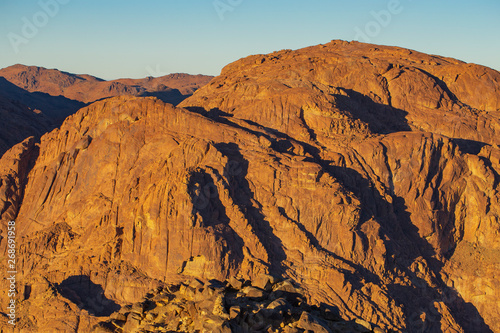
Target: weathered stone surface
{"x": 365, "y": 175}
{"x": 355, "y": 88}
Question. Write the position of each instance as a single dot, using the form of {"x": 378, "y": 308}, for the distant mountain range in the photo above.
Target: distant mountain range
{"x": 53, "y": 95}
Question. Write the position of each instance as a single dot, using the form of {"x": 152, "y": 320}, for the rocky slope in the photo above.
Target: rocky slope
{"x": 367, "y": 175}
{"x": 235, "y": 305}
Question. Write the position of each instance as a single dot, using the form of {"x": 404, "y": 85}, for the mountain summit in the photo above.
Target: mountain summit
{"x": 365, "y": 175}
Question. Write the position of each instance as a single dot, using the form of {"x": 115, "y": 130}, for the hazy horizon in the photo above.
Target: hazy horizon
{"x": 126, "y": 39}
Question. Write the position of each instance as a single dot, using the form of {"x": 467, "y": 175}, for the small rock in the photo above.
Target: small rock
{"x": 264, "y": 282}
{"x": 192, "y": 310}
{"x": 212, "y": 322}
{"x": 234, "y": 312}
{"x": 126, "y": 309}
{"x": 219, "y": 309}
{"x": 162, "y": 299}
{"x": 277, "y": 309}
{"x": 310, "y": 323}
{"x": 285, "y": 286}
{"x": 236, "y": 283}
{"x": 150, "y": 317}
{"x": 364, "y": 323}
{"x": 187, "y": 291}
{"x": 254, "y": 293}
{"x": 138, "y": 308}
{"x": 149, "y": 328}
{"x": 119, "y": 316}
{"x": 133, "y": 323}
{"x": 279, "y": 303}
{"x": 172, "y": 325}
{"x": 211, "y": 291}
{"x": 196, "y": 284}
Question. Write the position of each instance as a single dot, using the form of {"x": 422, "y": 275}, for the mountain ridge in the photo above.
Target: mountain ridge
{"x": 367, "y": 175}
{"x": 87, "y": 88}
{"x": 54, "y": 95}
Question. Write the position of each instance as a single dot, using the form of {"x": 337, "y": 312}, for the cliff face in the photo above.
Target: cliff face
{"x": 367, "y": 174}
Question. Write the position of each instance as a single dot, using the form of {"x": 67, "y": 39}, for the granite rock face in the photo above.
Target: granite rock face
{"x": 366, "y": 175}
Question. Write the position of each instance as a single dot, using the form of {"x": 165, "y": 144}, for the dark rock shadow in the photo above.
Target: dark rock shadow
{"x": 167, "y": 95}
{"x": 56, "y": 108}
{"x": 87, "y": 295}
{"x": 214, "y": 113}
{"x": 235, "y": 172}
{"x": 210, "y": 213}
{"x": 469, "y": 146}
{"x": 380, "y": 118}
{"x": 404, "y": 242}
{"x": 441, "y": 84}
{"x": 281, "y": 146}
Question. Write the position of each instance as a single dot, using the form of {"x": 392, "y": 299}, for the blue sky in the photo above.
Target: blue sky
{"x": 121, "y": 38}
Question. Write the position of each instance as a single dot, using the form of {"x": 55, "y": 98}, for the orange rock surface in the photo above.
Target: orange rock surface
{"x": 366, "y": 174}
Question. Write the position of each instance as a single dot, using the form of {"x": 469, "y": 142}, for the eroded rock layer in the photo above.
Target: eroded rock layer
{"x": 367, "y": 175}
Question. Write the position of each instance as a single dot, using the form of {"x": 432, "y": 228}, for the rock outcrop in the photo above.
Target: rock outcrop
{"x": 236, "y": 305}
{"x": 366, "y": 175}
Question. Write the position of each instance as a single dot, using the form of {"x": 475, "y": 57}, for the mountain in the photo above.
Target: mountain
{"x": 48, "y": 96}
{"x": 87, "y": 88}
{"x": 367, "y": 175}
